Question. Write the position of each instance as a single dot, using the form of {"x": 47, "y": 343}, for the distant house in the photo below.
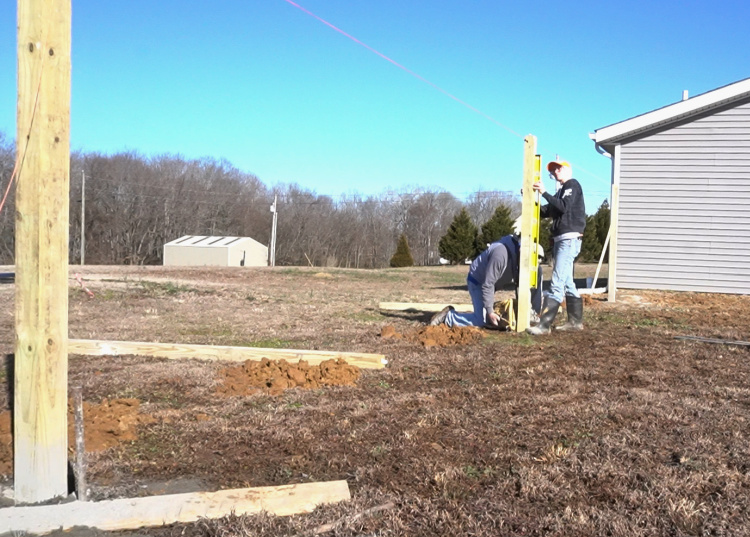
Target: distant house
{"x": 681, "y": 195}
{"x": 199, "y": 250}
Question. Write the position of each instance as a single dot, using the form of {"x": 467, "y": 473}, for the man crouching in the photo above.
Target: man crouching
{"x": 495, "y": 269}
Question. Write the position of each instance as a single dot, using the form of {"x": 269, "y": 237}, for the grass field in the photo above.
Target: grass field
{"x": 619, "y": 430}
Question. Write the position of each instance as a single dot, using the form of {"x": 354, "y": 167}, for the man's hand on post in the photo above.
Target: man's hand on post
{"x": 539, "y": 186}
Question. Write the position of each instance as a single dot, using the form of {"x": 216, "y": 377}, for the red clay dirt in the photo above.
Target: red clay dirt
{"x": 436, "y": 336}
{"x": 275, "y": 376}
{"x": 105, "y": 425}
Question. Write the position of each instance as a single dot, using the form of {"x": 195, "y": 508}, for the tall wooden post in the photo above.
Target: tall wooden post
{"x": 41, "y": 324}
{"x": 614, "y": 220}
{"x": 529, "y": 220}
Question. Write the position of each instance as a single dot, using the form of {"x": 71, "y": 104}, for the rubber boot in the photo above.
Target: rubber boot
{"x": 547, "y": 317}
{"x": 574, "y": 307}
{"x": 439, "y": 317}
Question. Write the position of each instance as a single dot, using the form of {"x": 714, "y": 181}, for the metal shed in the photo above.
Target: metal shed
{"x": 198, "y": 250}
{"x": 681, "y": 195}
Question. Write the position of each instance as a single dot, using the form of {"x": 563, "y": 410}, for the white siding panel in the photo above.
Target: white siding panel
{"x": 684, "y": 221}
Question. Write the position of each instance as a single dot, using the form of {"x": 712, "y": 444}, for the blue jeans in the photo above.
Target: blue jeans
{"x": 469, "y": 319}
{"x": 565, "y": 252}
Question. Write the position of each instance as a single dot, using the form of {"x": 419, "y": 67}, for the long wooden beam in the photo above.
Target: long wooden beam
{"x": 417, "y": 306}
{"x": 217, "y": 352}
{"x": 41, "y": 321}
{"x": 529, "y": 221}
{"x": 714, "y": 340}
{"x": 133, "y": 513}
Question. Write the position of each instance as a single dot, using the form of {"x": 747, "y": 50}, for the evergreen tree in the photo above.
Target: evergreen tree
{"x": 602, "y": 226}
{"x": 591, "y": 249}
{"x": 402, "y": 257}
{"x": 458, "y": 242}
{"x": 500, "y": 225}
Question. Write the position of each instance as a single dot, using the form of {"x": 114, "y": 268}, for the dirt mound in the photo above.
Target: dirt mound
{"x": 437, "y": 336}
{"x": 275, "y": 376}
{"x": 105, "y": 426}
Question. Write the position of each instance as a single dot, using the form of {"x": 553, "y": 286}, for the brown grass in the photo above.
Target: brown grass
{"x": 618, "y": 430}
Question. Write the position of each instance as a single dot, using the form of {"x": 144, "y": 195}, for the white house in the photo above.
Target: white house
{"x": 681, "y": 195}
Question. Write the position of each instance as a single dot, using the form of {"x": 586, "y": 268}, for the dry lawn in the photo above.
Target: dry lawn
{"x": 619, "y": 430}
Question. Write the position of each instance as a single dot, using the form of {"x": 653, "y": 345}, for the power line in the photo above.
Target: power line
{"x": 412, "y": 73}
{"x": 423, "y": 79}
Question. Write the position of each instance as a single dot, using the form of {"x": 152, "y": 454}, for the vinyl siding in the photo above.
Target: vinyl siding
{"x": 684, "y": 220}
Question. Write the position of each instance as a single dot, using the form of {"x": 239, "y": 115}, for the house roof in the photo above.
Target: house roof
{"x": 208, "y": 241}
{"x": 610, "y": 135}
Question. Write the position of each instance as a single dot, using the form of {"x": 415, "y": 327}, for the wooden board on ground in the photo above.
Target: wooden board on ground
{"x": 217, "y": 352}
{"x": 133, "y": 513}
{"x": 417, "y": 306}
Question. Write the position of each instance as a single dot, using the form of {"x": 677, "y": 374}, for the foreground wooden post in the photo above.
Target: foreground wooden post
{"x": 528, "y": 217}
{"x": 41, "y": 323}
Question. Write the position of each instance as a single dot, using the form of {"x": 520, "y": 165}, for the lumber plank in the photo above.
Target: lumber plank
{"x": 421, "y": 306}
{"x": 41, "y": 304}
{"x": 133, "y": 513}
{"x": 714, "y": 340}
{"x": 176, "y": 351}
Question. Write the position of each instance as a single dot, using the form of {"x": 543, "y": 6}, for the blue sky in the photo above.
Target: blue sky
{"x": 279, "y": 94}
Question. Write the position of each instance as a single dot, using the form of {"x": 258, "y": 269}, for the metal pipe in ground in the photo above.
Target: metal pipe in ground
{"x": 80, "y": 465}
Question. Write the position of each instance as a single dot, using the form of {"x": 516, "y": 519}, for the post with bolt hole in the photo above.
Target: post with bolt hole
{"x": 41, "y": 321}
{"x": 527, "y": 262}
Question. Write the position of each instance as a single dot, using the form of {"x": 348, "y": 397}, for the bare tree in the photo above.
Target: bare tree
{"x": 7, "y": 215}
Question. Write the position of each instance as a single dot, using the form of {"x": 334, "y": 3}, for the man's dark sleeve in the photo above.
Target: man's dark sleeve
{"x": 569, "y": 198}
{"x": 544, "y": 211}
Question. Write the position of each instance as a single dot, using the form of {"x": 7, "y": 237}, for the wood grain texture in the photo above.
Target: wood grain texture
{"x": 41, "y": 321}
{"x": 176, "y": 351}
{"x": 125, "y": 514}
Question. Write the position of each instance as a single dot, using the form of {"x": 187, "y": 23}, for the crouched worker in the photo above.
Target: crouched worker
{"x": 495, "y": 269}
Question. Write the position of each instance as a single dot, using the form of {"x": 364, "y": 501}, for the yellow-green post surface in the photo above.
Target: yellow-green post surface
{"x": 528, "y": 215}
{"x": 41, "y": 323}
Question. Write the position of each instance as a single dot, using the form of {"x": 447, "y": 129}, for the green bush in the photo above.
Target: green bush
{"x": 402, "y": 257}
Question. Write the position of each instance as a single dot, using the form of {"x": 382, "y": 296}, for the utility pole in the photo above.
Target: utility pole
{"x": 83, "y": 217}
{"x": 40, "y": 395}
{"x": 272, "y": 251}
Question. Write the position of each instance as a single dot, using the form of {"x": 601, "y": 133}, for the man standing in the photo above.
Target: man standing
{"x": 568, "y": 213}
{"x": 494, "y": 269}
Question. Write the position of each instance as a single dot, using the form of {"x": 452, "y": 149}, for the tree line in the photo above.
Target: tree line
{"x": 464, "y": 241}
{"x": 135, "y": 204}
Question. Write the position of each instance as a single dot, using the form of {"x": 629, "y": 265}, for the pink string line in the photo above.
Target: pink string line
{"x": 412, "y": 73}
{"x": 86, "y": 289}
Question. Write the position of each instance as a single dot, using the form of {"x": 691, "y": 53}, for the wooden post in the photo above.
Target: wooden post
{"x": 528, "y": 215}
{"x": 41, "y": 323}
{"x": 614, "y": 217}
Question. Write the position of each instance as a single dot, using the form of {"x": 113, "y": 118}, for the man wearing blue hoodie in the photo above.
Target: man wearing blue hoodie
{"x": 495, "y": 269}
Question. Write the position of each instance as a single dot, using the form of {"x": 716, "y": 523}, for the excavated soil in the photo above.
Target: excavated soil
{"x": 105, "y": 425}
{"x": 435, "y": 336}
{"x": 275, "y": 376}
